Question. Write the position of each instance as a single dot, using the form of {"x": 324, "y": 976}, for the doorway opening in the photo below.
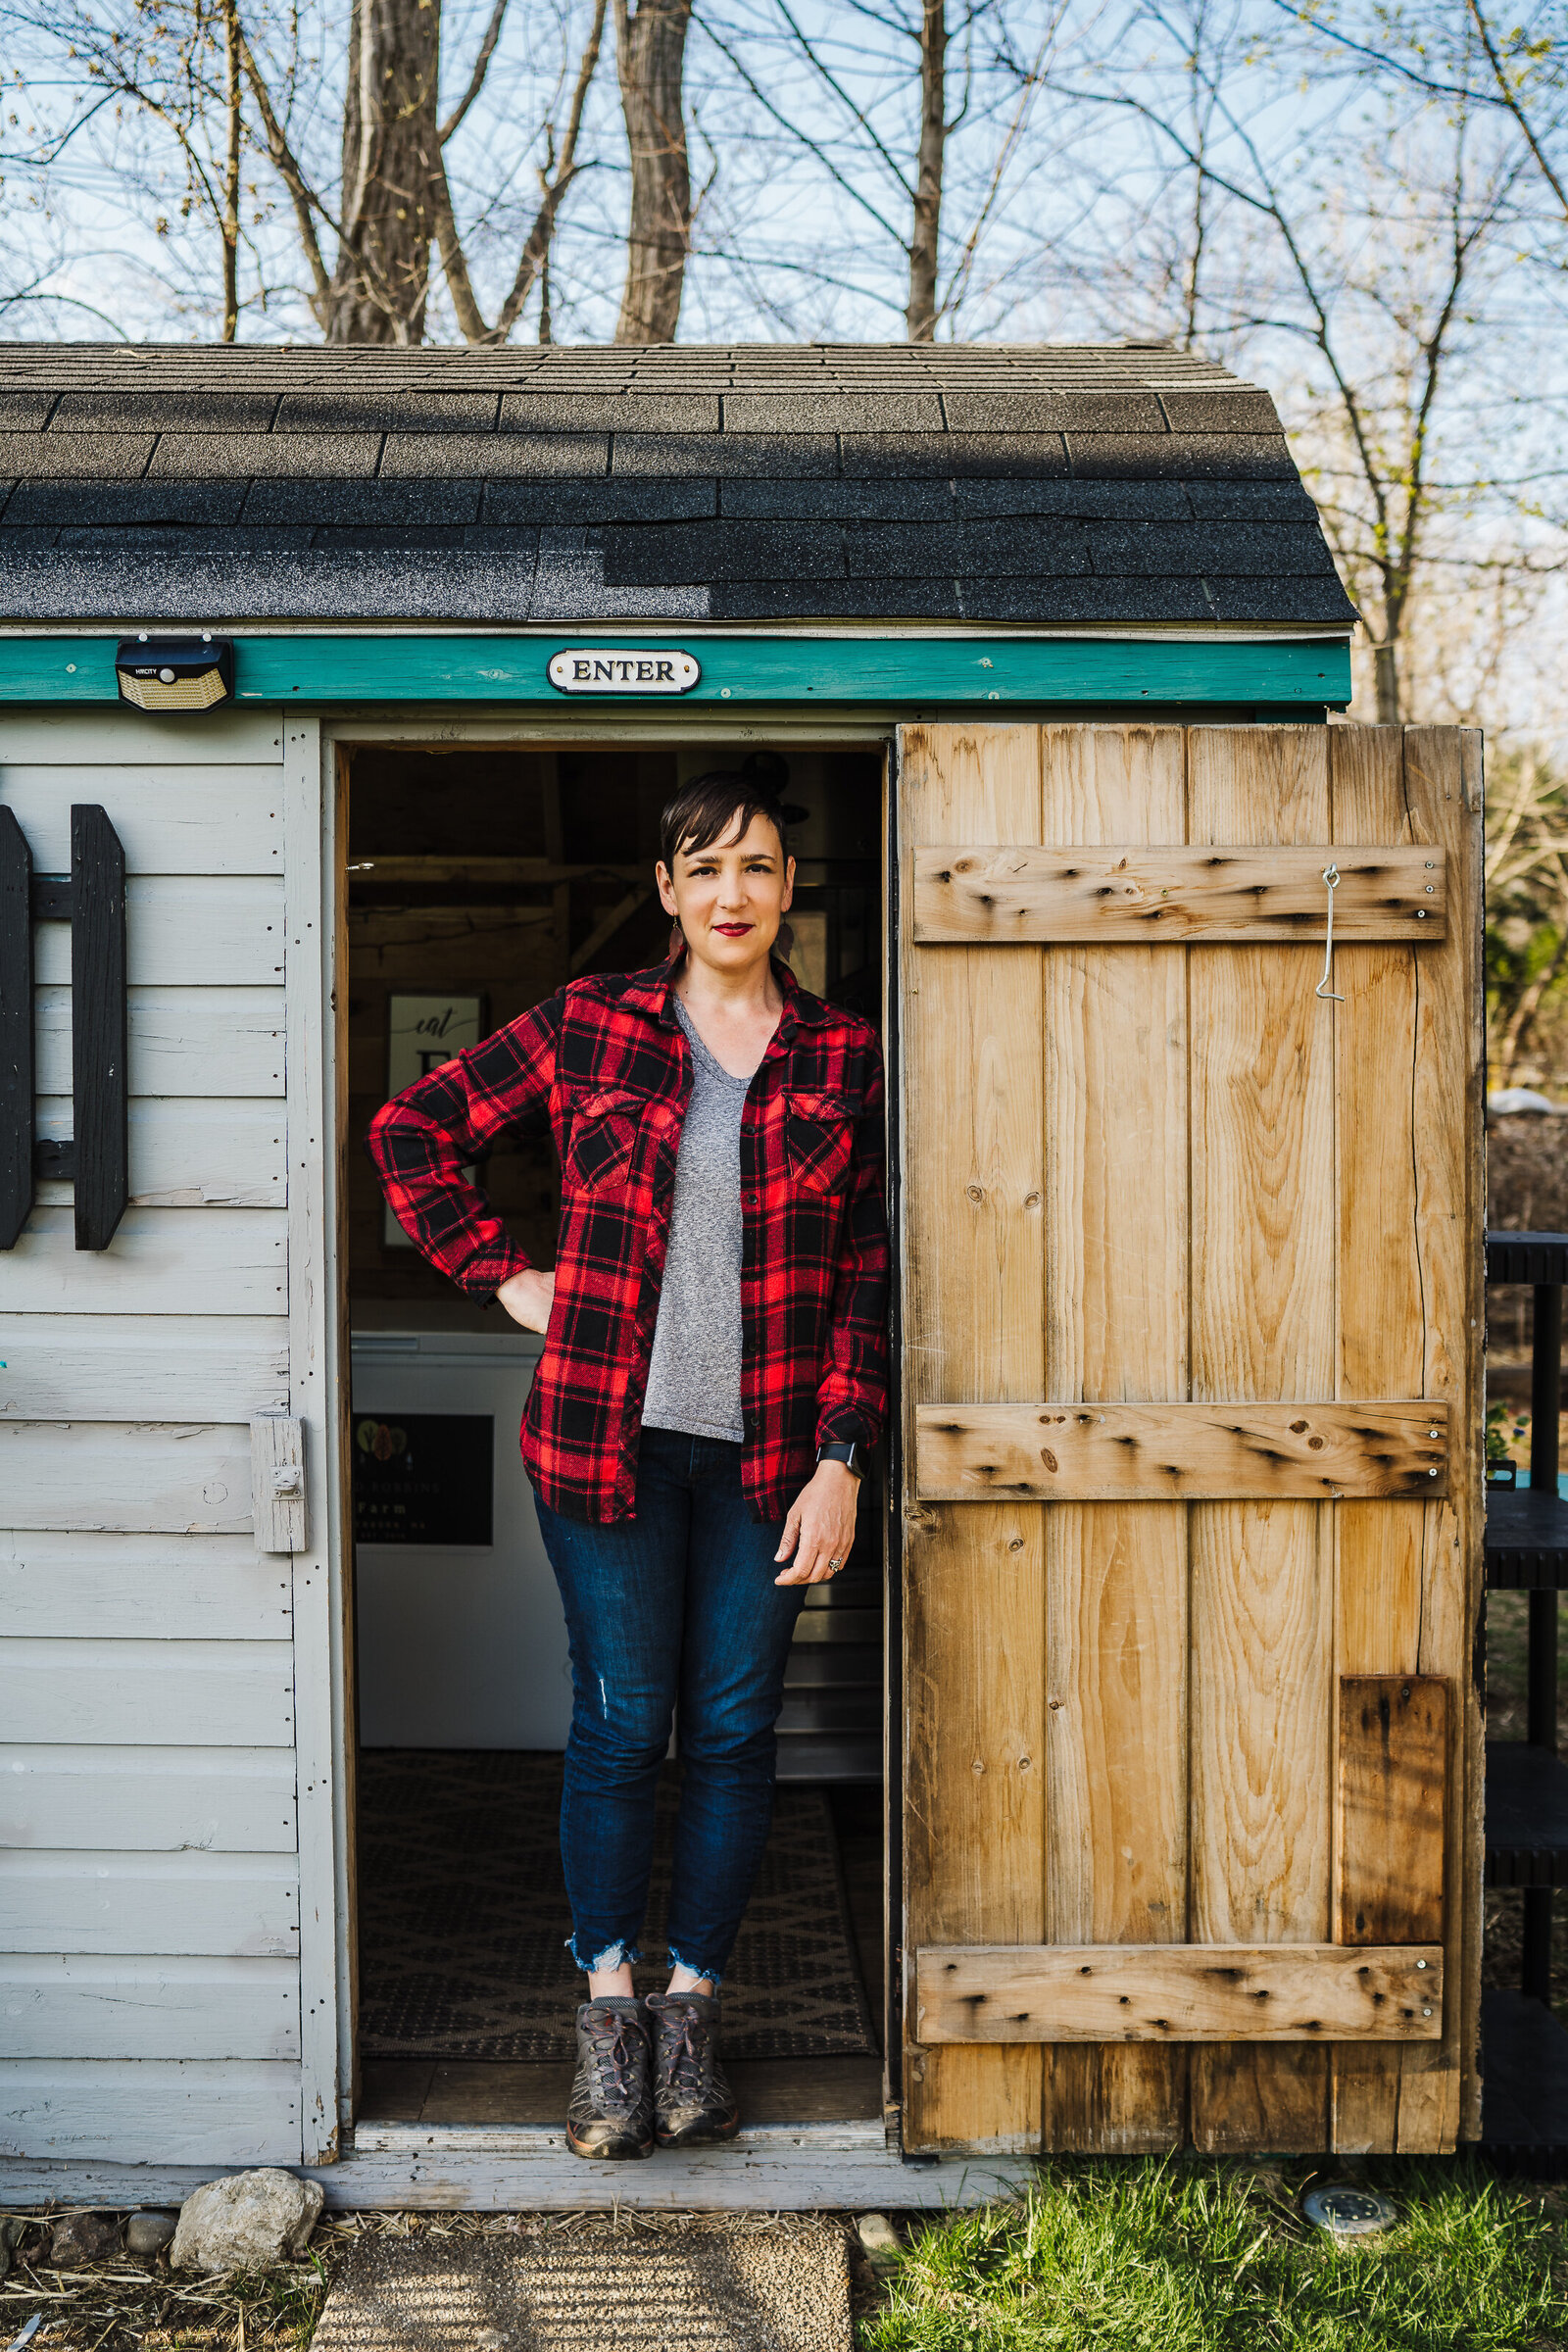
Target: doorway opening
{"x": 482, "y": 877}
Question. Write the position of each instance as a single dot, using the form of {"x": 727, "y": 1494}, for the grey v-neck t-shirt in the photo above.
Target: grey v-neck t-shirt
{"x": 694, "y": 1375}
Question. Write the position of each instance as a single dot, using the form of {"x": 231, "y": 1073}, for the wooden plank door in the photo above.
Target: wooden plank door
{"x": 1190, "y": 1263}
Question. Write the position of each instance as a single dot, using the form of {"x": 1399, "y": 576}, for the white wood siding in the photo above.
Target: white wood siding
{"x": 150, "y": 1800}
{"x": 151, "y": 2111}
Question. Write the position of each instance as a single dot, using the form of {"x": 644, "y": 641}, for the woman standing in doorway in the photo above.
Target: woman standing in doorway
{"x": 714, "y": 1367}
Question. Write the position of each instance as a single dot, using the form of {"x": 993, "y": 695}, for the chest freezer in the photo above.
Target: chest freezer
{"x": 460, "y": 1637}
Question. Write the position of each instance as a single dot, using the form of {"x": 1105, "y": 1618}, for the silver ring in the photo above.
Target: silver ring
{"x": 835, "y": 1565}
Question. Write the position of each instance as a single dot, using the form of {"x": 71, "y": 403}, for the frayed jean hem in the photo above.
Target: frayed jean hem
{"x": 696, "y": 1967}
{"x": 614, "y": 1956}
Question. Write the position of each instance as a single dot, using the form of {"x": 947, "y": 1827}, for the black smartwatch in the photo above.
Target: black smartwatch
{"x": 849, "y": 1455}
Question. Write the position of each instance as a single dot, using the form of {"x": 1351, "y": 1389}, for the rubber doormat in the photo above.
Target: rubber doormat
{"x": 719, "y": 2291}
{"x": 463, "y": 1917}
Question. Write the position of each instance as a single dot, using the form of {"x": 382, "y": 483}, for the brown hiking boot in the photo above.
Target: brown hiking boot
{"x": 692, "y": 2097}
{"x": 610, "y": 2111}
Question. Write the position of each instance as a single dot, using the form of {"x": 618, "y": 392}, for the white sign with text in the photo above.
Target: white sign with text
{"x": 618, "y": 669}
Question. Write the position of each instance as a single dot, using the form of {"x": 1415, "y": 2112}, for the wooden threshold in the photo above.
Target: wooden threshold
{"x": 406, "y": 2094}
{"x": 796, "y": 2173}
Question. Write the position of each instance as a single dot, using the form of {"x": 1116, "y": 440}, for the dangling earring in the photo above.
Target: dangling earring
{"x": 677, "y": 940}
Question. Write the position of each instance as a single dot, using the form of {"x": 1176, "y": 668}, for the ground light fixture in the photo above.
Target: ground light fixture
{"x": 176, "y": 673}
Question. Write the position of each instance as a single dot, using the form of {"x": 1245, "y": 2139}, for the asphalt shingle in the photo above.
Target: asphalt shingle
{"x": 681, "y": 553}
{"x": 1054, "y": 412}
{"x": 347, "y": 412}
{"x": 1087, "y": 600}
{"x": 1061, "y": 485}
{"x": 1178, "y": 457}
{"x": 209, "y": 506}
{"x": 86, "y": 456}
{"x": 476, "y": 457}
{"x": 799, "y": 453}
{"x": 600, "y": 501}
{"x": 1019, "y": 544}
{"x": 157, "y": 412}
{"x": 414, "y": 503}
{"x": 840, "y": 502}
{"x": 1153, "y": 502}
{"x": 1279, "y": 548}
{"x": 224, "y": 457}
{"x": 609, "y": 412}
{"x": 804, "y": 412}
{"x": 951, "y": 454}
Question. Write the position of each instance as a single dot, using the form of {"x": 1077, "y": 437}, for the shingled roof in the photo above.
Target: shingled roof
{"x": 1051, "y": 484}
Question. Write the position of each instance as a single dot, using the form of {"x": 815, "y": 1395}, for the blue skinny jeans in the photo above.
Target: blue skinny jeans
{"x": 675, "y": 1605}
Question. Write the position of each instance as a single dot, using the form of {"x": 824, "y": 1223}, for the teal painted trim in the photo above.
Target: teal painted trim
{"x": 917, "y": 672}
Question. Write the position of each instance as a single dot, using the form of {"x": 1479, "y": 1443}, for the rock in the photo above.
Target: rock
{"x": 79, "y": 2238}
{"x": 879, "y": 2239}
{"x": 247, "y": 2221}
{"x": 149, "y": 2232}
{"x": 10, "y": 2230}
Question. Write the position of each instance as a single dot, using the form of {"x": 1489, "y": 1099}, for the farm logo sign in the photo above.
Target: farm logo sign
{"x": 616, "y": 670}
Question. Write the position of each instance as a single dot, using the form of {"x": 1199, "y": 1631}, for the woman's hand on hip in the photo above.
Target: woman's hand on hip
{"x": 820, "y": 1527}
{"x": 528, "y": 1297}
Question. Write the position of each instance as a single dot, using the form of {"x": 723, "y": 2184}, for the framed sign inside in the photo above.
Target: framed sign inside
{"x": 424, "y": 1478}
{"x": 422, "y": 1033}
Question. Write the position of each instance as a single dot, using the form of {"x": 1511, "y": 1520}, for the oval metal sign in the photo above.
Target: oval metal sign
{"x": 618, "y": 669}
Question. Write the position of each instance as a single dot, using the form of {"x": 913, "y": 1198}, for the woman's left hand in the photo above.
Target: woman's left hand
{"x": 820, "y": 1527}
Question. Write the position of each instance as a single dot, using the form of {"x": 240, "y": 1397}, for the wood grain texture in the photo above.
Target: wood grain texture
{"x": 209, "y": 1262}
{"x": 144, "y": 2111}
{"x": 227, "y": 821}
{"x": 183, "y": 1041}
{"x": 206, "y": 931}
{"x": 189, "y": 1153}
{"x": 1390, "y": 1771}
{"x": 1098, "y": 1452}
{"x": 1129, "y": 892}
{"x": 135, "y": 1693}
{"x": 103, "y": 1368}
{"x": 150, "y": 1799}
{"x": 1262, "y": 1141}
{"x": 1116, "y": 1326}
{"x": 279, "y": 1505}
{"x": 137, "y": 1587}
{"x": 1440, "y": 2100}
{"x": 973, "y": 1309}
{"x": 242, "y": 1904}
{"x": 136, "y": 1478}
{"x": 75, "y": 2006}
{"x": 1382, "y": 1315}
{"x": 1181, "y": 1992}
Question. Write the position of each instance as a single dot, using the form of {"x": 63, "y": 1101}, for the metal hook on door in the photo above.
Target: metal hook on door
{"x": 1331, "y": 875}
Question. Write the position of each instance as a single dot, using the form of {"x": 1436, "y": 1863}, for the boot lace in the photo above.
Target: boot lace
{"x": 685, "y": 2058}
{"x": 615, "y": 2052}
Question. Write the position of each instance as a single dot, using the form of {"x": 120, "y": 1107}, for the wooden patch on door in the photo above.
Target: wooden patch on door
{"x": 1179, "y": 1453}
{"x": 1147, "y": 894}
{"x": 1393, "y": 1764}
{"x": 1179, "y": 1992}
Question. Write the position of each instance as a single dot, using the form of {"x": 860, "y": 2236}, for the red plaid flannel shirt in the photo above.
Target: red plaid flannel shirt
{"x": 605, "y": 1065}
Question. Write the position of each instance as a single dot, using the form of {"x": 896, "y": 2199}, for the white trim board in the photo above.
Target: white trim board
{"x": 733, "y": 2179}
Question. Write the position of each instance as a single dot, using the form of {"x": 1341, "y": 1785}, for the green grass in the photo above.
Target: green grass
{"x": 1139, "y": 2256}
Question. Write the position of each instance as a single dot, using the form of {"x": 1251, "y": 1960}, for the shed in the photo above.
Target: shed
{"x": 1131, "y": 1790}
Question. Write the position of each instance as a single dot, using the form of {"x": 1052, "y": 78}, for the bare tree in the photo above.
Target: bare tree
{"x": 925, "y": 234}
{"x": 651, "y": 60}
{"x": 198, "y": 71}
{"x": 1378, "y": 290}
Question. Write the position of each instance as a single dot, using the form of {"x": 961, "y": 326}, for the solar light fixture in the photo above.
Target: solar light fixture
{"x": 176, "y": 673}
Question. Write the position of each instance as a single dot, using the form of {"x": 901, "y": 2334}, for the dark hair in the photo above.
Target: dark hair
{"x": 704, "y": 811}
